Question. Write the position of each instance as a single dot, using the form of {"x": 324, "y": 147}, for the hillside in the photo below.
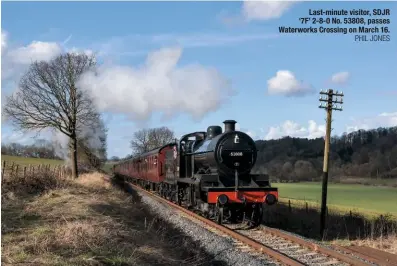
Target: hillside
{"x": 363, "y": 153}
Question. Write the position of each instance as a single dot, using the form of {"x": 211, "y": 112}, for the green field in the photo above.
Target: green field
{"x": 107, "y": 167}
{"x": 23, "y": 161}
{"x": 366, "y": 199}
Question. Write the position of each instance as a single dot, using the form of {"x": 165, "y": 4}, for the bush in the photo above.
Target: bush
{"x": 32, "y": 183}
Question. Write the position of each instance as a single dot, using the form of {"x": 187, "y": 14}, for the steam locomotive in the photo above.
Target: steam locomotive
{"x": 206, "y": 171}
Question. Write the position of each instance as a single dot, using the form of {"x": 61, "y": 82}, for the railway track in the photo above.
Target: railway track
{"x": 280, "y": 246}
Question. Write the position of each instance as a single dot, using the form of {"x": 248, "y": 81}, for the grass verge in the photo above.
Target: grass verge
{"x": 88, "y": 222}
{"x": 343, "y": 228}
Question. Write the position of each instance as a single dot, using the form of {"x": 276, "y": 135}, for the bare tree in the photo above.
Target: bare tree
{"x": 115, "y": 159}
{"x": 147, "y": 139}
{"x": 48, "y": 97}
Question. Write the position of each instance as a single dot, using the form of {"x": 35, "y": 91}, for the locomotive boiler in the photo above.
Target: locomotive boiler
{"x": 225, "y": 153}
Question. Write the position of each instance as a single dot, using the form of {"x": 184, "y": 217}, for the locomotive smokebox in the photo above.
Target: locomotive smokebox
{"x": 230, "y": 125}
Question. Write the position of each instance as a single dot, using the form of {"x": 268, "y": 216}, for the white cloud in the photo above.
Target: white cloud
{"x": 340, "y": 78}
{"x": 159, "y": 85}
{"x": 314, "y": 130}
{"x": 15, "y": 60}
{"x": 285, "y": 83}
{"x": 293, "y": 129}
{"x": 381, "y": 120}
{"x": 76, "y": 50}
{"x": 35, "y": 51}
{"x": 265, "y": 10}
{"x": 4, "y": 38}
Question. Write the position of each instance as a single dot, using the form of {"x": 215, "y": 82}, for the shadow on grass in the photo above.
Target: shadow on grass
{"x": 350, "y": 226}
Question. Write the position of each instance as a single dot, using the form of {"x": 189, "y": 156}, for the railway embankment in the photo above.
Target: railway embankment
{"x": 88, "y": 221}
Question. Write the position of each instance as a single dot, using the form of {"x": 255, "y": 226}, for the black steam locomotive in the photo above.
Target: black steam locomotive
{"x": 211, "y": 172}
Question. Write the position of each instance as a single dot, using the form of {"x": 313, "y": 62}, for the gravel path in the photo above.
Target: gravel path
{"x": 225, "y": 249}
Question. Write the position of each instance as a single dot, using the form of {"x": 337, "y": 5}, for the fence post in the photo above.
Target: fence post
{"x": 307, "y": 207}
{"x": 12, "y": 169}
{"x": 289, "y": 206}
{"x": 2, "y": 170}
{"x": 24, "y": 172}
{"x": 16, "y": 170}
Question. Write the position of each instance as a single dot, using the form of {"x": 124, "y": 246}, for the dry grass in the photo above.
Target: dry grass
{"x": 387, "y": 244}
{"x": 342, "y": 228}
{"x": 89, "y": 222}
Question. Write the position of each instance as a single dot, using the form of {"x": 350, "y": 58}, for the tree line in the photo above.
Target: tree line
{"x": 41, "y": 148}
{"x": 363, "y": 153}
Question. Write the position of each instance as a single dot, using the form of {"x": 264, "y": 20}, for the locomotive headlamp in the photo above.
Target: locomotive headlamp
{"x": 270, "y": 199}
{"x": 223, "y": 199}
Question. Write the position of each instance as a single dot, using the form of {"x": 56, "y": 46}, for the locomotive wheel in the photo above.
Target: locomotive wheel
{"x": 219, "y": 216}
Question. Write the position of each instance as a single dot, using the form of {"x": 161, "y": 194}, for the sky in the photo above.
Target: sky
{"x": 189, "y": 65}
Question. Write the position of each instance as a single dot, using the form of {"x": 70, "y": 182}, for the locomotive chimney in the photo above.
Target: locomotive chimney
{"x": 229, "y": 125}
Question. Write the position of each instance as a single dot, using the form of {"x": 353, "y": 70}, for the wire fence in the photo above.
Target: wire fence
{"x": 12, "y": 169}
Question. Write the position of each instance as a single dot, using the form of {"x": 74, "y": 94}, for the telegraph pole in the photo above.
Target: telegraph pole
{"x": 329, "y": 105}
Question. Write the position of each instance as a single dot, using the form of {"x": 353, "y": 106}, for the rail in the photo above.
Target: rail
{"x": 257, "y": 245}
